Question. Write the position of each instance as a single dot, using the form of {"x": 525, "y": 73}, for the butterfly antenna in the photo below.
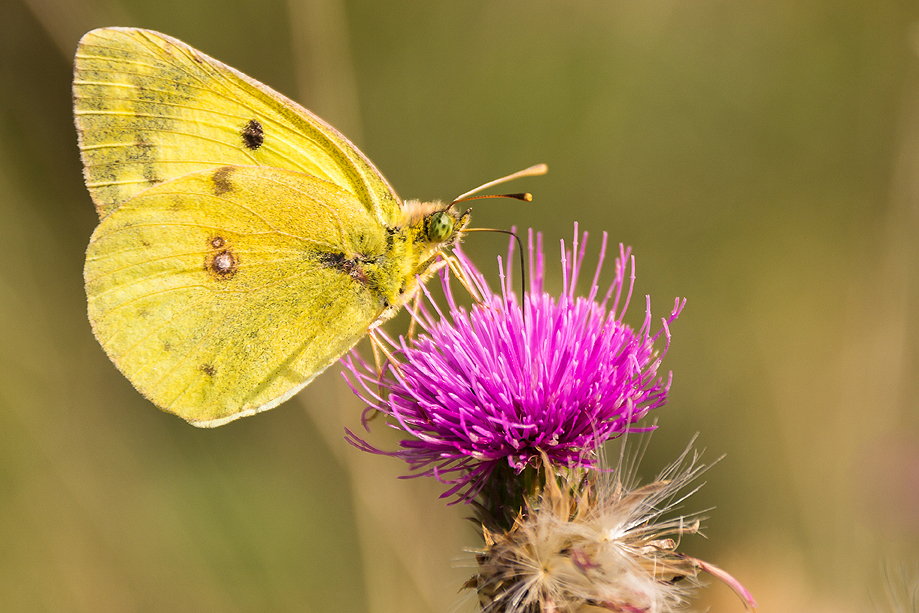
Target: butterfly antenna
{"x": 532, "y": 171}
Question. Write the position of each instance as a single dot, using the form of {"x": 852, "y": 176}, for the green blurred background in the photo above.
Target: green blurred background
{"x": 761, "y": 157}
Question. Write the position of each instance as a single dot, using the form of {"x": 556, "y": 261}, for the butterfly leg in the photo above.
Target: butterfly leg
{"x": 416, "y": 303}
{"x": 460, "y": 273}
{"x": 382, "y": 358}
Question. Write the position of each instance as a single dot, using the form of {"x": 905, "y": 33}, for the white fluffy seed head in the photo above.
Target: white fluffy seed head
{"x": 595, "y": 541}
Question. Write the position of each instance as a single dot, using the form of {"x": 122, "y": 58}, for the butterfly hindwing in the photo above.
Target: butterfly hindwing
{"x": 223, "y": 292}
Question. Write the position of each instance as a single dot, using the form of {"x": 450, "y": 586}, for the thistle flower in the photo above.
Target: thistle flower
{"x": 493, "y": 391}
{"x": 597, "y": 541}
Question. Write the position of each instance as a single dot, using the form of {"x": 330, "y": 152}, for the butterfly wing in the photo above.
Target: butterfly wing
{"x": 223, "y": 292}
{"x": 149, "y": 108}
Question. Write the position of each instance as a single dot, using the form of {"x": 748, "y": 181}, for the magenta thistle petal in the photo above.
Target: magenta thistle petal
{"x": 485, "y": 386}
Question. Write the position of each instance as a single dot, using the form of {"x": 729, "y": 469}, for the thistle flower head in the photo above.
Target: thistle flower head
{"x": 504, "y": 387}
{"x": 597, "y": 541}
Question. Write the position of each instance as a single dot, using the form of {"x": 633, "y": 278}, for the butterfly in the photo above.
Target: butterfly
{"x": 244, "y": 245}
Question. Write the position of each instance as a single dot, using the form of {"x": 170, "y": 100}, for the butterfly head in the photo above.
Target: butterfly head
{"x": 444, "y": 227}
{"x": 437, "y": 224}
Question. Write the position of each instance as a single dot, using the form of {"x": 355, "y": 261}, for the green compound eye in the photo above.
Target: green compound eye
{"x": 440, "y": 226}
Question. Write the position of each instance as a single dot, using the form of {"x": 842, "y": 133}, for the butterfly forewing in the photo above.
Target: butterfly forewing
{"x": 149, "y": 108}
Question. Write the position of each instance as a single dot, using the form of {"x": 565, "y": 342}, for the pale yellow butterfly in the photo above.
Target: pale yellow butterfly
{"x": 244, "y": 244}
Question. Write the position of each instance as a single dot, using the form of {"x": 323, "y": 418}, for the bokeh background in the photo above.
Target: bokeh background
{"x": 762, "y": 157}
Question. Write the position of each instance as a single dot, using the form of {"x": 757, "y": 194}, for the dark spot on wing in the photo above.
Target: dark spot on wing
{"x": 221, "y": 180}
{"x": 253, "y": 135}
{"x": 221, "y": 265}
{"x": 208, "y": 369}
{"x": 220, "y": 262}
{"x": 351, "y": 267}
